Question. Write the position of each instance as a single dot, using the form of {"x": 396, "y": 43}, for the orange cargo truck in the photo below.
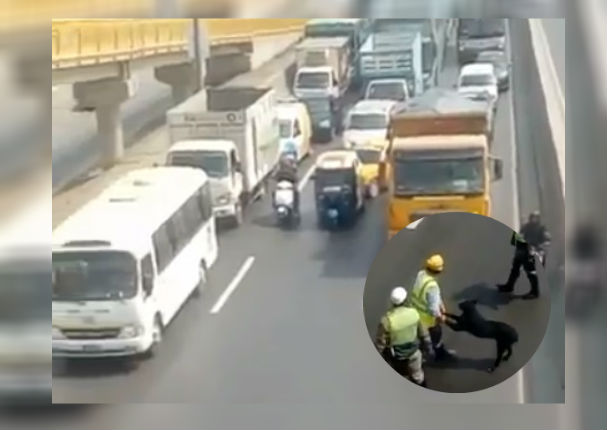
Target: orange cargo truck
{"x": 439, "y": 158}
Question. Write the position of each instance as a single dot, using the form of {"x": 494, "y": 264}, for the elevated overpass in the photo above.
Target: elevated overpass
{"x": 99, "y": 58}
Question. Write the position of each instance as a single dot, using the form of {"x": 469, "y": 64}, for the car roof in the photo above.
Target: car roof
{"x": 339, "y": 158}
{"x": 202, "y": 144}
{"x": 373, "y": 106}
{"x": 476, "y": 68}
{"x": 387, "y": 81}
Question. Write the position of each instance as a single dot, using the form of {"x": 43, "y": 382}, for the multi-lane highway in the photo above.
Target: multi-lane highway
{"x": 289, "y": 346}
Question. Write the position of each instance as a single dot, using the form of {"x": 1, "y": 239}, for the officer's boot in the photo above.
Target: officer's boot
{"x": 423, "y": 383}
{"x": 534, "y": 293}
{"x": 508, "y": 287}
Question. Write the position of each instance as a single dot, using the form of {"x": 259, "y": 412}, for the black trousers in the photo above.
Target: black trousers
{"x": 436, "y": 337}
{"x": 525, "y": 259}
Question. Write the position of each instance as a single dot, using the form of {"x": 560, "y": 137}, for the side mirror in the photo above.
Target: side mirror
{"x": 148, "y": 284}
{"x": 498, "y": 169}
{"x": 238, "y": 167}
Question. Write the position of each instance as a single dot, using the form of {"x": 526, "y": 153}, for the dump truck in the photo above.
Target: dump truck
{"x": 393, "y": 51}
{"x": 439, "y": 158}
{"x": 232, "y": 134}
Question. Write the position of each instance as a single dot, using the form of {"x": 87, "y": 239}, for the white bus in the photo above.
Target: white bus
{"x": 125, "y": 263}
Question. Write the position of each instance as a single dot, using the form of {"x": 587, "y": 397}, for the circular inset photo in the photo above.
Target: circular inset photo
{"x": 458, "y": 302}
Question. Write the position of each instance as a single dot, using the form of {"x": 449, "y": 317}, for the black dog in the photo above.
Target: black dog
{"x": 473, "y": 322}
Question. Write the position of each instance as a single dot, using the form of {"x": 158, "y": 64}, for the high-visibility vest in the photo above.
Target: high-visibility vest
{"x": 401, "y": 323}
{"x": 517, "y": 239}
{"x": 417, "y": 299}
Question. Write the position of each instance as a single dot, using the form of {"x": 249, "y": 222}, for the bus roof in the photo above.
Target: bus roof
{"x": 126, "y": 214}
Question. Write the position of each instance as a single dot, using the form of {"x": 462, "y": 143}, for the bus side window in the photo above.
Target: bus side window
{"x": 147, "y": 274}
{"x": 162, "y": 247}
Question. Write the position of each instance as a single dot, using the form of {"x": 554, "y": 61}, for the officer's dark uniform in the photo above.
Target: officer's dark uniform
{"x": 536, "y": 235}
{"x": 522, "y": 257}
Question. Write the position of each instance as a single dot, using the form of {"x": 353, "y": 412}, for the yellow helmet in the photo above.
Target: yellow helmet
{"x": 435, "y": 263}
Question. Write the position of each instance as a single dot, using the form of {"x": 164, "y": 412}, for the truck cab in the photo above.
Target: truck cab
{"x": 320, "y": 81}
{"x": 387, "y": 89}
{"x": 439, "y": 158}
{"x": 220, "y": 161}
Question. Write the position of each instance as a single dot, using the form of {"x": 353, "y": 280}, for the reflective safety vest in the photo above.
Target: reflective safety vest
{"x": 417, "y": 298}
{"x": 401, "y": 323}
{"x": 517, "y": 239}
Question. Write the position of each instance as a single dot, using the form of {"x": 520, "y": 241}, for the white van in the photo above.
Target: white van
{"x": 125, "y": 263}
{"x": 295, "y": 128}
{"x": 367, "y": 121}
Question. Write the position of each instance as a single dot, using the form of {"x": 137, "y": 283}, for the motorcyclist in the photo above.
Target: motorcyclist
{"x": 287, "y": 171}
{"x": 536, "y": 235}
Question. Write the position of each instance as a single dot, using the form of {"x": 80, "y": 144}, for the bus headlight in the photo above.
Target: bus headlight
{"x": 57, "y": 334}
{"x": 130, "y": 331}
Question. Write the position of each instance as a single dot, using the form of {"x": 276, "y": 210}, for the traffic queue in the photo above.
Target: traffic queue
{"x": 232, "y": 144}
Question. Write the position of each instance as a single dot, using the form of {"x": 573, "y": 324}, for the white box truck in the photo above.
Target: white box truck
{"x": 231, "y": 133}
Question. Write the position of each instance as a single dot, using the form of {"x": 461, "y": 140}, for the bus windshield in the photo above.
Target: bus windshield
{"x": 439, "y": 176}
{"x": 93, "y": 275}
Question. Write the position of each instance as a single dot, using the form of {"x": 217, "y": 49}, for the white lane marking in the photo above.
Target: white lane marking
{"x": 306, "y": 178}
{"x": 414, "y": 224}
{"x": 233, "y": 285}
{"x": 555, "y": 101}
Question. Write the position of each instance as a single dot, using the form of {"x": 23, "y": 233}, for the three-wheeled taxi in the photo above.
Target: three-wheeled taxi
{"x": 372, "y": 155}
{"x": 339, "y": 189}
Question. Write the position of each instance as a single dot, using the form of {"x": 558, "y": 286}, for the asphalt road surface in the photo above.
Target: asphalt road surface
{"x": 477, "y": 255}
{"x": 289, "y": 348}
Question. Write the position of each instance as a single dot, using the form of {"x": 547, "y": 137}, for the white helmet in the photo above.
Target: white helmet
{"x": 398, "y": 296}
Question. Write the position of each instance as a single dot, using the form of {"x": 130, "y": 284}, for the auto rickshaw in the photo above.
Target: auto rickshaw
{"x": 373, "y": 155}
{"x": 339, "y": 189}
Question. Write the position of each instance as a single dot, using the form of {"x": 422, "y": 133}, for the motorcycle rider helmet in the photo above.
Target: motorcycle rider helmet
{"x": 398, "y": 296}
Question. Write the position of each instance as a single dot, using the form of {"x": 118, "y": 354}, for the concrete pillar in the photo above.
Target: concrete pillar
{"x": 181, "y": 77}
{"x": 109, "y": 128}
{"x": 106, "y": 96}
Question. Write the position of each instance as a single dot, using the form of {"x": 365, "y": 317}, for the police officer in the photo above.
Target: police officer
{"x": 426, "y": 299}
{"x": 398, "y": 338}
{"x": 522, "y": 257}
{"x": 536, "y": 234}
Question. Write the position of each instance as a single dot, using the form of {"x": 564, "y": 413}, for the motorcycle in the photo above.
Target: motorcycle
{"x": 284, "y": 203}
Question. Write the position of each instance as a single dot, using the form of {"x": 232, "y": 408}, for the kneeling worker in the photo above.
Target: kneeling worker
{"x": 398, "y": 338}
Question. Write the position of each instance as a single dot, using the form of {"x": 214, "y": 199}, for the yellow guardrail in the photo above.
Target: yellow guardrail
{"x": 221, "y": 31}
{"x": 89, "y": 42}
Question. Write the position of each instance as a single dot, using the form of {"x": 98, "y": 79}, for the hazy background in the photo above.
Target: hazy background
{"x": 25, "y": 173}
